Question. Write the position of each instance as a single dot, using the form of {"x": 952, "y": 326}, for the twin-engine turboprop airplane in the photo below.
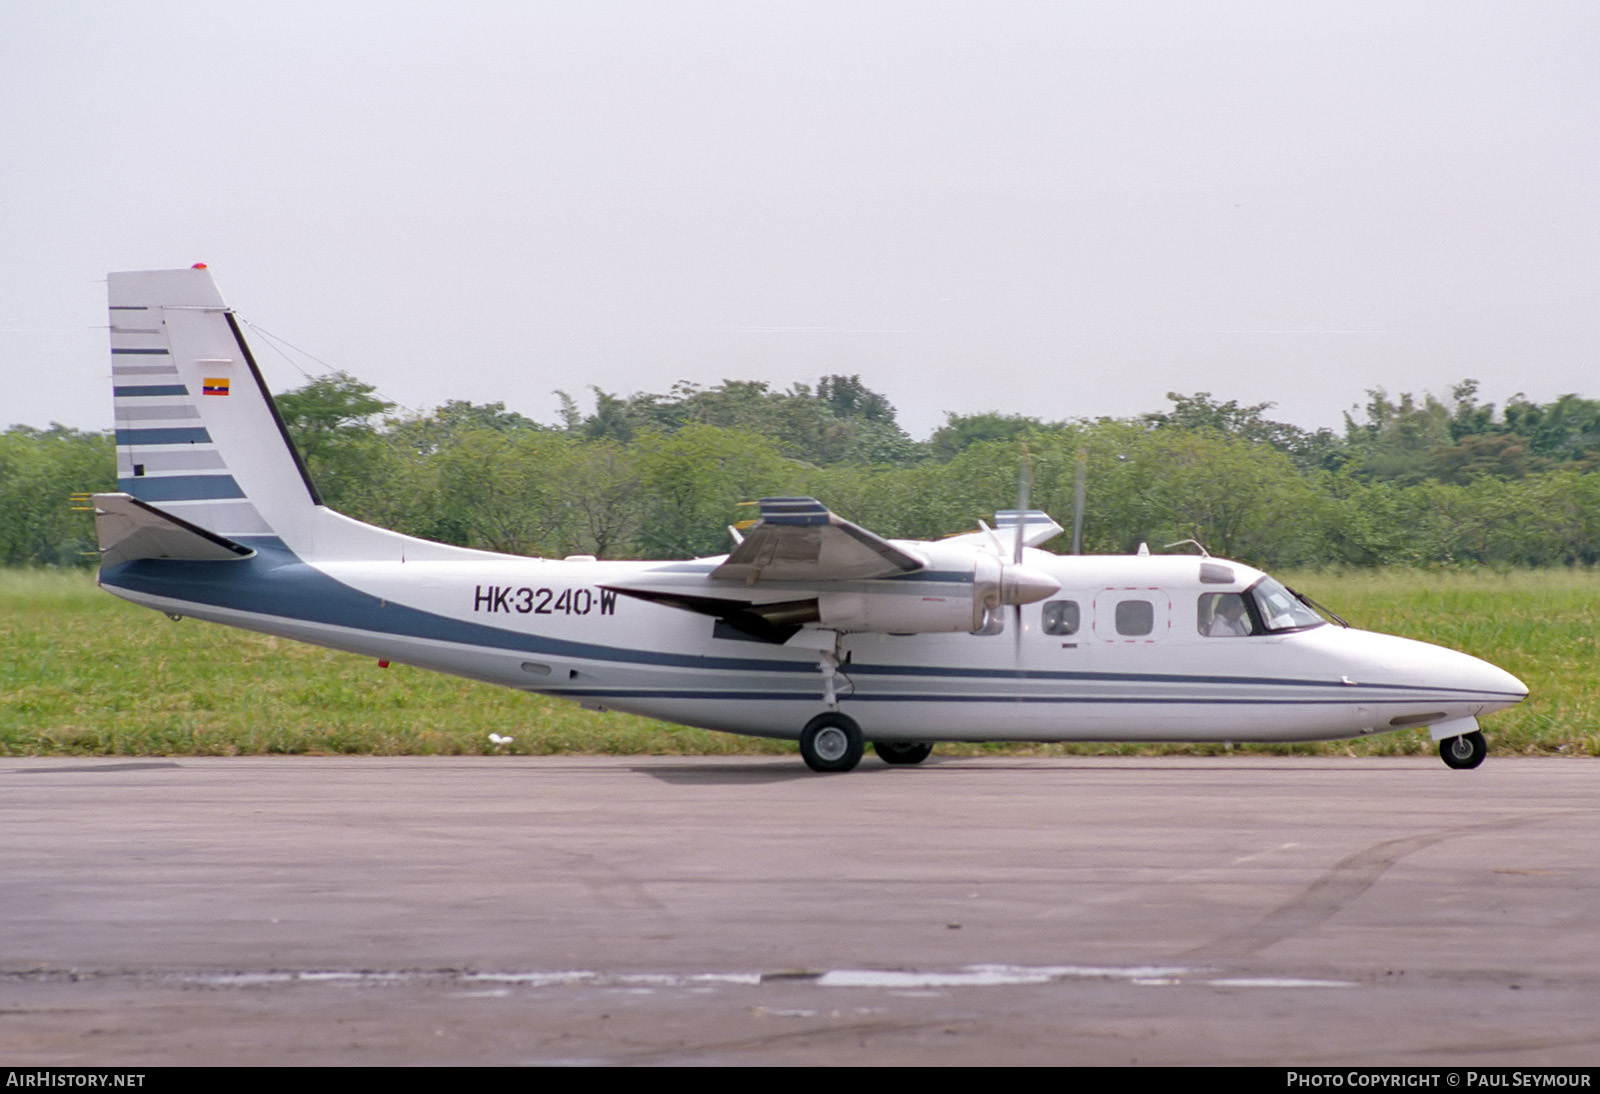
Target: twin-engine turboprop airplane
{"x": 811, "y": 629}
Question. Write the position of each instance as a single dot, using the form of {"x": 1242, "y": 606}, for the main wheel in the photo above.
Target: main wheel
{"x": 831, "y": 742}
{"x": 1467, "y": 750}
{"x": 902, "y": 752}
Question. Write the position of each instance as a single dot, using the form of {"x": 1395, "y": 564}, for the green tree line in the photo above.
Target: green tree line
{"x": 1411, "y": 481}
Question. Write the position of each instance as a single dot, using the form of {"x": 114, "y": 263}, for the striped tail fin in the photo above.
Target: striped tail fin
{"x": 197, "y": 433}
{"x": 199, "y": 438}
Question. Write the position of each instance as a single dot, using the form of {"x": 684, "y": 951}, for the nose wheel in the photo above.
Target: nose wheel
{"x": 831, "y": 742}
{"x": 1467, "y": 750}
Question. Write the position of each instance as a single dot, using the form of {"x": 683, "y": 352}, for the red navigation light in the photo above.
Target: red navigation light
{"x": 198, "y": 266}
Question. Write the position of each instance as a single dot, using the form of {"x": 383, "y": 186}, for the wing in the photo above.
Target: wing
{"x": 798, "y": 539}
{"x": 769, "y": 587}
{"x": 804, "y": 566}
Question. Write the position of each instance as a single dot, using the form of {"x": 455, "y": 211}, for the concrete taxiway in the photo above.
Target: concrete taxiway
{"x": 709, "y": 910}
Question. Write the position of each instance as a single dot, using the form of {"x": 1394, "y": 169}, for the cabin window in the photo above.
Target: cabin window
{"x": 1224, "y": 615}
{"x": 1061, "y": 617}
{"x": 1135, "y": 617}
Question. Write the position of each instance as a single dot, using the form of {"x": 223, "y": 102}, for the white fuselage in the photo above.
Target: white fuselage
{"x": 553, "y": 627}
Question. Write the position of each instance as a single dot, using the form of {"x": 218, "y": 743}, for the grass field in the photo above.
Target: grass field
{"x": 83, "y": 673}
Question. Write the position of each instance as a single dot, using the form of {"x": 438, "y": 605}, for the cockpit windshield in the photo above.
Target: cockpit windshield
{"x": 1267, "y": 607}
{"x": 1280, "y": 609}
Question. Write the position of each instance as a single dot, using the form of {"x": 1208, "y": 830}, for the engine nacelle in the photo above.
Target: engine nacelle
{"x": 897, "y": 613}
{"x": 907, "y": 606}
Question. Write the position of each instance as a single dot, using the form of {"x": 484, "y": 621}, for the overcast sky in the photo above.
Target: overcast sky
{"x": 1059, "y": 209}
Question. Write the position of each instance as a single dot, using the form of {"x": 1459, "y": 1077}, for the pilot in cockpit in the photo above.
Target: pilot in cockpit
{"x": 1228, "y": 618}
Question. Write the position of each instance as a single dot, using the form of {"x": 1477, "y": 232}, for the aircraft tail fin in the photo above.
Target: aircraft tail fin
{"x": 200, "y": 439}
{"x": 198, "y": 435}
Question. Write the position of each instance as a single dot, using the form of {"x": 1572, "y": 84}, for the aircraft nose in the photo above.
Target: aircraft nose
{"x": 1496, "y": 679}
{"x": 1438, "y": 673}
{"x": 1498, "y": 688}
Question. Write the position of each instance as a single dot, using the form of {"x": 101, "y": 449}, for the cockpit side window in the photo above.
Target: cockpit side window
{"x": 1224, "y": 615}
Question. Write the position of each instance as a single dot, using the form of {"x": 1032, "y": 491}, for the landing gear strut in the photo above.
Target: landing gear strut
{"x": 1467, "y": 750}
{"x": 831, "y": 742}
{"x": 902, "y": 752}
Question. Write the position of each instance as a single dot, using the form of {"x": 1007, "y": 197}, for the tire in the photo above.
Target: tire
{"x": 831, "y": 742}
{"x": 1464, "y": 752}
{"x": 902, "y": 752}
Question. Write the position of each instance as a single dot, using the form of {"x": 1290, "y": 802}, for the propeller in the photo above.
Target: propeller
{"x": 1008, "y": 581}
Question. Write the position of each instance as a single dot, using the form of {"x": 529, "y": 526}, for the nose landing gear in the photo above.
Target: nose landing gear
{"x": 1465, "y": 751}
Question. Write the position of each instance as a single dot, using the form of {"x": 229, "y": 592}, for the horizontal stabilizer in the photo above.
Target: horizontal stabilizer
{"x": 129, "y": 530}
{"x": 1038, "y": 528}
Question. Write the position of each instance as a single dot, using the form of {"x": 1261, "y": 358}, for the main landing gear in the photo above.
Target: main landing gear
{"x": 832, "y": 742}
{"x": 902, "y": 752}
{"x": 1467, "y": 750}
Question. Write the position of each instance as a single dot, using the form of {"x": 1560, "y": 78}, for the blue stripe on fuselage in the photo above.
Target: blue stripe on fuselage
{"x": 958, "y": 697}
{"x": 1160, "y": 678}
{"x": 274, "y": 582}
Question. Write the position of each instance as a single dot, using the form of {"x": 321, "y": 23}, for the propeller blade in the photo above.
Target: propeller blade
{"x": 1077, "y": 501}
{"x": 1024, "y": 484}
